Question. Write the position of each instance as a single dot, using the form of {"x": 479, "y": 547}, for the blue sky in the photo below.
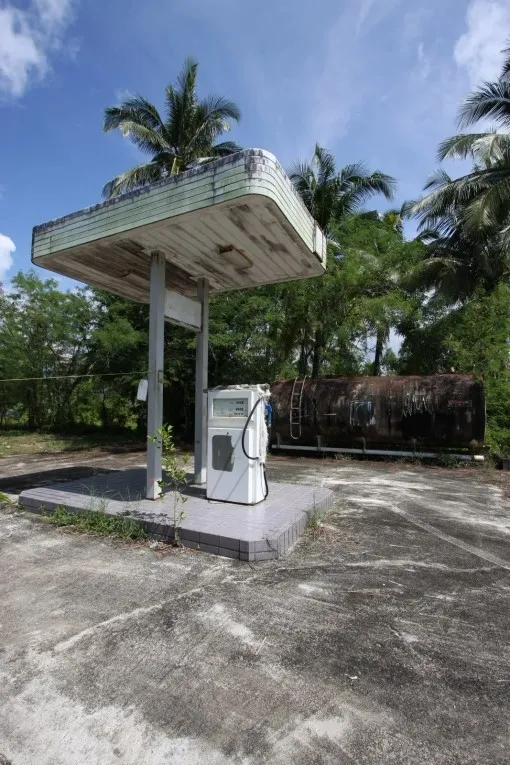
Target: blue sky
{"x": 372, "y": 80}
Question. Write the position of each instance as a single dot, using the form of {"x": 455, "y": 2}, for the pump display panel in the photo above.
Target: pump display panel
{"x": 230, "y": 407}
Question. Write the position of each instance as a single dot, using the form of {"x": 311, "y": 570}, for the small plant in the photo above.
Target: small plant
{"x": 174, "y": 475}
{"x": 342, "y": 456}
{"x": 5, "y": 499}
{"x": 315, "y": 519}
{"x": 98, "y": 522}
{"x": 448, "y": 461}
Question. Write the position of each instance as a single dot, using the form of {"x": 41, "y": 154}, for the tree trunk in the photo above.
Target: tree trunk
{"x": 303, "y": 361}
{"x": 317, "y": 354}
{"x": 378, "y": 353}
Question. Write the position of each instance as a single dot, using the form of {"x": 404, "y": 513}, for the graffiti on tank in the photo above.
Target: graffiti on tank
{"x": 417, "y": 403}
{"x": 362, "y": 414}
{"x": 444, "y": 411}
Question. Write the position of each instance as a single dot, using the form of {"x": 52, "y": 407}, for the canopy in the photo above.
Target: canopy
{"x": 237, "y": 222}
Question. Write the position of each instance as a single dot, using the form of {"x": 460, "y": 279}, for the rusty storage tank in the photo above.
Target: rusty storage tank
{"x": 387, "y": 413}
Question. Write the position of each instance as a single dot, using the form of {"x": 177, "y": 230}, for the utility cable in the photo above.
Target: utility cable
{"x": 72, "y": 377}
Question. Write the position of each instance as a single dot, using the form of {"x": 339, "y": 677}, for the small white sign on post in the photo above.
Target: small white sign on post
{"x": 141, "y": 394}
{"x": 183, "y": 311}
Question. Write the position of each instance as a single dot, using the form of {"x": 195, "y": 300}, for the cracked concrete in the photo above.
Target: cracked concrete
{"x": 381, "y": 639}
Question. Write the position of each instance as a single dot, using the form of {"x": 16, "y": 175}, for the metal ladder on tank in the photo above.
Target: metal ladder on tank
{"x": 295, "y": 411}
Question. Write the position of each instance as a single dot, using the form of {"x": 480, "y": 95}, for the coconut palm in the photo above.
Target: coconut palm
{"x": 331, "y": 195}
{"x": 185, "y": 137}
{"x": 466, "y": 220}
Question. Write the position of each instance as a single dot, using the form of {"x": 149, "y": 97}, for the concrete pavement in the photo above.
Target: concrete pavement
{"x": 381, "y": 639}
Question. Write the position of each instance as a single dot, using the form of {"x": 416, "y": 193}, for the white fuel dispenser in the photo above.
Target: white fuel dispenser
{"x": 237, "y": 444}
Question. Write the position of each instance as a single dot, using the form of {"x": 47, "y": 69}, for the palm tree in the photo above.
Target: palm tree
{"x": 466, "y": 221}
{"x": 331, "y": 195}
{"x": 184, "y": 138}
{"x": 459, "y": 256}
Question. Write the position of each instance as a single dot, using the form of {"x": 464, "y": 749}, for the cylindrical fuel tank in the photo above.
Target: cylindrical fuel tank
{"x": 444, "y": 411}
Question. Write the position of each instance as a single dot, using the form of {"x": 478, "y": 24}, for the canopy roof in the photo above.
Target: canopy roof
{"x": 237, "y": 222}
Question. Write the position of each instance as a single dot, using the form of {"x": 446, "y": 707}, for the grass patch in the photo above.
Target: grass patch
{"x": 7, "y": 505}
{"x": 448, "y": 461}
{"x": 315, "y": 520}
{"x": 15, "y": 441}
{"x": 98, "y": 522}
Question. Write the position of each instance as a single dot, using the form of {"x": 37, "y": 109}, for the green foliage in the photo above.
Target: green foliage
{"x": 54, "y": 339}
{"x": 175, "y": 475}
{"x": 21, "y": 440}
{"x": 445, "y": 294}
{"x": 44, "y": 333}
{"x": 98, "y": 522}
{"x": 315, "y": 521}
{"x": 185, "y": 137}
{"x": 448, "y": 461}
{"x": 469, "y": 339}
{"x": 466, "y": 221}
{"x": 331, "y": 195}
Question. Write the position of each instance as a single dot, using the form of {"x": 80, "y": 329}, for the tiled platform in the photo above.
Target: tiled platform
{"x": 259, "y": 532}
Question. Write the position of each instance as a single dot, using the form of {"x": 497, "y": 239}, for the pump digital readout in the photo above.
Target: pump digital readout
{"x": 230, "y": 407}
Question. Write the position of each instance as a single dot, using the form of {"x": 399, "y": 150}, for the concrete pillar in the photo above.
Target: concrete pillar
{"x": 201, "y": 384}
{"x": 155, "y": 377}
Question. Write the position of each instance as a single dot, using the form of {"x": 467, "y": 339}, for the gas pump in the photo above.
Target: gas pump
{"x": 237, "y": 441}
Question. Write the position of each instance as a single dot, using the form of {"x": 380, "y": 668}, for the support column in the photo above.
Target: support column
{"x": 155, "y": 377}
{"x": 201, "y": 384}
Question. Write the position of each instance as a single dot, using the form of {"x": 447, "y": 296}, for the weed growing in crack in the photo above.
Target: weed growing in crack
{"x": 315, "y": 520}
{"x": 174, "y": 475}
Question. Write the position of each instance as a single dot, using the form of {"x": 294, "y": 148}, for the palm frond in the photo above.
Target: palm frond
{"x": 490, "y": 101}
{"x": 458, "y": 146}
{"x": 489, "y": 210}
{"x": 187, "y": 77}
{"x": 137, "y": 110}
{"x": 226, "y": 148}
{"x": 209, "y": 120}
{"x": 181, "y": 103}
{"x": 380, "y": 183}
{"x": 356, "y": 187}
{"x": 146, "y": 139}
{"x": 323, "y": 163}
{"x": 407, "y": 209}
{"x": 303, "y": 179}
{"x": 437, "y": 179}
{"x": 219, "y": 108}
{"x": 131, "y": 179}
{"x": 505, "y": 71}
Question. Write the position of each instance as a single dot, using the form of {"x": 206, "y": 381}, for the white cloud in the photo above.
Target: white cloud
{"x": 478, "y": 50}
{"x": 122, "y": 94}
{"x": 364, "y": 12}
{"x": 53, "y": 12}
{"x": 27, "y": 38}
{"x": 7, "y": 247}
{"x": 372, "y": 12}
{"x": 424, "y": 63}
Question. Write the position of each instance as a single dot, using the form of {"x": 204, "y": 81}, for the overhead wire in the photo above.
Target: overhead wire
{"x": 70, "y": 377}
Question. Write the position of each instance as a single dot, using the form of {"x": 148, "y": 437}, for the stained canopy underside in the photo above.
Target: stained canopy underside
{"x": 237, "y": 222}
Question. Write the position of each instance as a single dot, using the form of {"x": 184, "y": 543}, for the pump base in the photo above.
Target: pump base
{"x": 257, "y": 532}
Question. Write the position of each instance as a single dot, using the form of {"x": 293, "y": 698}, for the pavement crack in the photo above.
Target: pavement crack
{"x": 452, "y": 540}
{"x": 70, "y": 642}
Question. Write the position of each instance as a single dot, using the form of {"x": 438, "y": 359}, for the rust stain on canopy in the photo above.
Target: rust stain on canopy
{"x": 237, "y": 221}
